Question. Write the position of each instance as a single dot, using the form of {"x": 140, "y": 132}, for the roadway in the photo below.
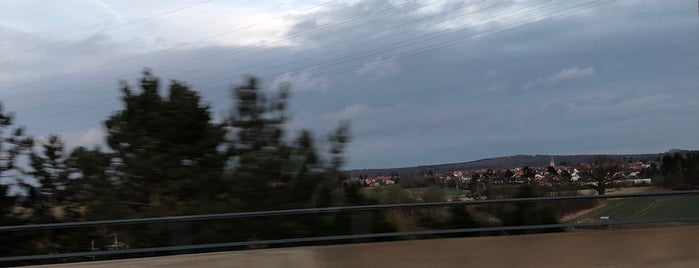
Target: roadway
{"x": 640, "y": 247}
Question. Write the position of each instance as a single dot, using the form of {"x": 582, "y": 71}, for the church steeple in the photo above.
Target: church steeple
{"x": 552, "y": 163}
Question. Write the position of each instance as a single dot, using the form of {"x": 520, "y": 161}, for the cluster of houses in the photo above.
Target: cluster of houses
{"x": 630, "y": 174}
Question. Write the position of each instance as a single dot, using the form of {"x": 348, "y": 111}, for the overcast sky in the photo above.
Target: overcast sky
{"x": 422, "y": 82}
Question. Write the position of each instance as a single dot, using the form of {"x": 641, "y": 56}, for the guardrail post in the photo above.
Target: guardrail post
{"x": 362, "y": 223}
{"x": 180, "y": 234}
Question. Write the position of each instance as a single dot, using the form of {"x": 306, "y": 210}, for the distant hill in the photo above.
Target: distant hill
{"x": 508, "y": 162}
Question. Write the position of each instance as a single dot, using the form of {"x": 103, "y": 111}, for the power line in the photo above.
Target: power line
{"x": 425, "y": 38}
{"x": 345, "y": 20}
{"x": 421, "y": 50}
{"x": 238, "y": 51}
{"x": 52, "y": 44}
{"x": 131, "y": 58}
{"x": 463, "y": 40}
{"x": 376, "y": 52}
{"x": 223, "y": 73}
{"x": 365, "y": 42}
{"x": 390, "y": 47}
{"x": 472, "y": 38}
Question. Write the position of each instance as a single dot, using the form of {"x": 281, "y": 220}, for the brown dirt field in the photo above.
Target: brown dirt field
{"x": 648, "y": 247}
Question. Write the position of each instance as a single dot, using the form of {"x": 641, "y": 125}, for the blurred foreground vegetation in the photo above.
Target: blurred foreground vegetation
{"x": 165, "y": 156}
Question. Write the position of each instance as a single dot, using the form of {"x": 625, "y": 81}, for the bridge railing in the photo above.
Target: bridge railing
{"x": 333, "y": 238}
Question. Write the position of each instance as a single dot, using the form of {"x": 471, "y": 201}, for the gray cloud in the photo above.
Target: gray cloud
{"x": 562, "y": 75}
{"x": 619, "y": 77}
{"x": 378, "y": 68}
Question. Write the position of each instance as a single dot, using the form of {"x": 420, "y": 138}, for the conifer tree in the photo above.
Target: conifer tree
{"x": 166, "y": 147}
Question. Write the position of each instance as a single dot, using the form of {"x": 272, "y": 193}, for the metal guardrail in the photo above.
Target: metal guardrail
{"x": 336, "y": 237}
{"x": 302, "y": 211}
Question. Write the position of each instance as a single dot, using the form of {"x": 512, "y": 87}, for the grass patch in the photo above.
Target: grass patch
{"x": 416, "y": 193}
{"x": 645, "y": 208}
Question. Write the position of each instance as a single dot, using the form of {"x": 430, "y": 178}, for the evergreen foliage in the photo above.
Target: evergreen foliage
{"x": 681, "y": 171}
{"x": 165, "y": 148}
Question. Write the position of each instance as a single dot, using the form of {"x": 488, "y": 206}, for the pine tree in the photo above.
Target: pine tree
{"x": 167, "y": 147}
{"x": 258, "y": 151}
{"x": 93, "y": 186}
{"x": 13, "y": 144}
{"x": 48, "y": 167}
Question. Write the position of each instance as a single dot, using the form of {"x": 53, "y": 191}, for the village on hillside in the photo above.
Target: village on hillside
{"x": 581, "y": 176}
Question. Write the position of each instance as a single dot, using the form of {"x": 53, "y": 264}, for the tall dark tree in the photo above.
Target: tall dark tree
{"x": 13, "y": 143}
{"x": 167, "y": 146}
{"x": 488, "y": 175}
{"x": 7, "y": 204}
{"x": 328, "y": 190}
{"x": 93, "y": 186}
{"x": 566, "y": 176}
{"x": 268, "y": 172}
{"x": 49, "y": 168}
{"x": 303, "y": 162}
{"x": 258, "y": 151}
{"x": 681, "y": 171}
{"x": 47, "y": 201}
{"x": 338, "y": 140}
{"x": 509, "y": 174}
{"x": 602, "y": 173}
{"x": 551, "y": 170}
{"x": 474, "y": 184}
{"x": 527, "y": 173}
